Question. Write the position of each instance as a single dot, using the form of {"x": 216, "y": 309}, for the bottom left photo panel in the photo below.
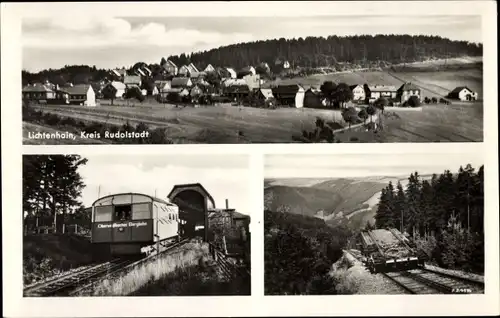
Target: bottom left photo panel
{"x": 136, "y": 225}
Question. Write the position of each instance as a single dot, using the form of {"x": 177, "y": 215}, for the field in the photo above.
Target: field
{"x": 458, "y": 122}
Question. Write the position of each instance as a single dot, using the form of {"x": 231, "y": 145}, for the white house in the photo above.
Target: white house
{"x": 463, "y": 93}
{"x": 377, "y": 91}
{"x": 192, "y": 68}
{"x": 358, "y": 93}
{"x": 81, "y": 94}
{"x": 171, "y": 68}
{"x": 115, "y": 89}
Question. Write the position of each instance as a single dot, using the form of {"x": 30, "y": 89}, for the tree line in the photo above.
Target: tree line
{"x": 52, "y": 185}
{"x": 332, "y": 50}
{"x": 447, "y": 210}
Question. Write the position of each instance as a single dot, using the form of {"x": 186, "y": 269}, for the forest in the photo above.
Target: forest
{"x": 52, "y": 185}
{"x": 321, "y": 51}
{"x": 299, "y": 252}
{"x": 445, "y": 216}
{"x": 311, "y": 52}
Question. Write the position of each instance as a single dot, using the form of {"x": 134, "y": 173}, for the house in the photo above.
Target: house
{"x": 235, "y": 225}
{"x": 358, "y": 93}
{"x": 312, "y": 99}
{"x": 377, "y": 91}
{"x": 253, "y": 81}
{"x": 147, "y": 70}
{"x": 140, "y": 72}
{"x": 184, "y": 71}
{"x": 232, "y": 72}
{"x": 81, "y": 94}
{"x": 291, "y": 95}
{"x": 406, "y": 91}
{"x": 38, "y": 92}
{"x": 236, "y": 91}
{"x": 162, "y": 84}
{"x": 129, "y": 80}
{"x": 209, "y": 69}
{"x": 196, "y": 91}
{"x": 119, "y": 73}
{"x": 198, "y": 74}
{"x": 181, "y": 92}
{"x": 463, "y": 93}
{"x": 113, "y": 90}
{"x": 170, "y": 67}
{"x": 181, "y": 82}
{"x": 192, "y": 68}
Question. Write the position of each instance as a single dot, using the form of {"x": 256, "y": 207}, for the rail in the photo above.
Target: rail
{"x": 426, "y": 281}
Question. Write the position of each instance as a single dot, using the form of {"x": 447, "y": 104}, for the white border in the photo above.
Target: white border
{"x": 257, "y": 304}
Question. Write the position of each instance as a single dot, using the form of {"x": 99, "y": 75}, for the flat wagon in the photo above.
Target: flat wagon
{"x": 387, "y": 250}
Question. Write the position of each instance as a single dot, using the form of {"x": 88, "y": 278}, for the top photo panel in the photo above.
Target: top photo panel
{"x": 239, "y": 80}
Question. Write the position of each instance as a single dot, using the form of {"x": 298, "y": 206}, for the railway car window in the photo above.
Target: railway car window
{"x": 123, "y": 212}
{"x": 141, "y": 211}
{"x": 103, "y": 213}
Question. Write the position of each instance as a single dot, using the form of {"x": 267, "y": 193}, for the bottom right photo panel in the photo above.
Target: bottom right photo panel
{"x": 374, "y": 224}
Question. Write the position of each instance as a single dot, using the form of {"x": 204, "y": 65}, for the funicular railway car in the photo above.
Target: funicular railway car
{"x": 132, "y": 223}
{"x": 387, "y": 250}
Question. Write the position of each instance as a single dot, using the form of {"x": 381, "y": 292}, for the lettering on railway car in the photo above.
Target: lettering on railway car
{"x": 115, "y": 225}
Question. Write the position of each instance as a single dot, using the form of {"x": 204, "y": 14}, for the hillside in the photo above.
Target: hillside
{"x": 338, "y": 201}
{"x": 364, "y": 50}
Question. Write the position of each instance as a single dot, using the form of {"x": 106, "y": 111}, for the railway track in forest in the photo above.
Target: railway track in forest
{"x": 427, "y": 281}
{"x": 78, "y": 282}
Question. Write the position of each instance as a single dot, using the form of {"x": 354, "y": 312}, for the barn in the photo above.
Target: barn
{"x": 289, "y": 95}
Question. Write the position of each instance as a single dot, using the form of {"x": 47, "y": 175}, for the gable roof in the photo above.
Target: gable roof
{"x": 130, "y": 79}
{"x": 192, "y": 68}
{"x": 459, "y": 89}
{"x": 190, "y": 185}
{"x": 209, "y": 68}
{"x": 36, "y": 88}
{"x": 266, "y": 92}
{"x": 409, "y": 86}
{"x": 354, "y": 86}
{"x": 169, "y": 62}
{"x": 180, "y": 81}
{"x": 287, "y": 89}
{"x": 118, "y": 85}
{"x": 79, "y": 89}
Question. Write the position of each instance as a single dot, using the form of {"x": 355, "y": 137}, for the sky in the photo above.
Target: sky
{"x": 223, "y": 176}
{"x": 109, "y": 42}
{"x": 367, "y": 165}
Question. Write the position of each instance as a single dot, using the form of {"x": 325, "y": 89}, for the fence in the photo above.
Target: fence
{"x": 60, "y": 224}
{"x": 230, "y": 266}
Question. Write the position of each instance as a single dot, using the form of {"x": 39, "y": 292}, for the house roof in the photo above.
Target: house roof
{"x": 162, "y": 83}
{"x": 172, "y": 90}
{"x": 198, "y": 74}
{"x": 209, "y": 68}
{"x": 231, "y": 71}
{"x": 353, "y": 86}
{"x": 36, "y": 88}
{"x": 118, "y": 85}
{"x": 286, "y": 89}
{"x": 266, "y": 92}
{"x": 382, "y": 88}
{"x": 189, "y": 186}
{"x": 79, "y": 89}
{"x": 171, "y": 63}
{"x": 237, "y": 88}
{"x": 459, "y": 89}
{"x": 233, "y": 82}
{"x": 192, "y": 68}
{"x": 180, "y": 81}
{"x": 129, "y": 79}
{"x": 409, "y": 86}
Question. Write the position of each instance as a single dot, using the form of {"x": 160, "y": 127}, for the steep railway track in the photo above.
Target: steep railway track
{"x": 76, "y": 282}
{"x": 426, "y": 281}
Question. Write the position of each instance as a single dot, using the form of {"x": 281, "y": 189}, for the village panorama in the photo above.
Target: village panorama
{"x": 383, "y": 88}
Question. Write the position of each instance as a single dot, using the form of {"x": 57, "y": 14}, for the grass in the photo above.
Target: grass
{"x": 186, "y": 271}
{"x": 144, "y": 274}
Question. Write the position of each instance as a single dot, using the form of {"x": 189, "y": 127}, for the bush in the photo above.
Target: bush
{"x": 434, "y": 100}
{"x": 427, "y": 100}
{"x": 414, "y": 101}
